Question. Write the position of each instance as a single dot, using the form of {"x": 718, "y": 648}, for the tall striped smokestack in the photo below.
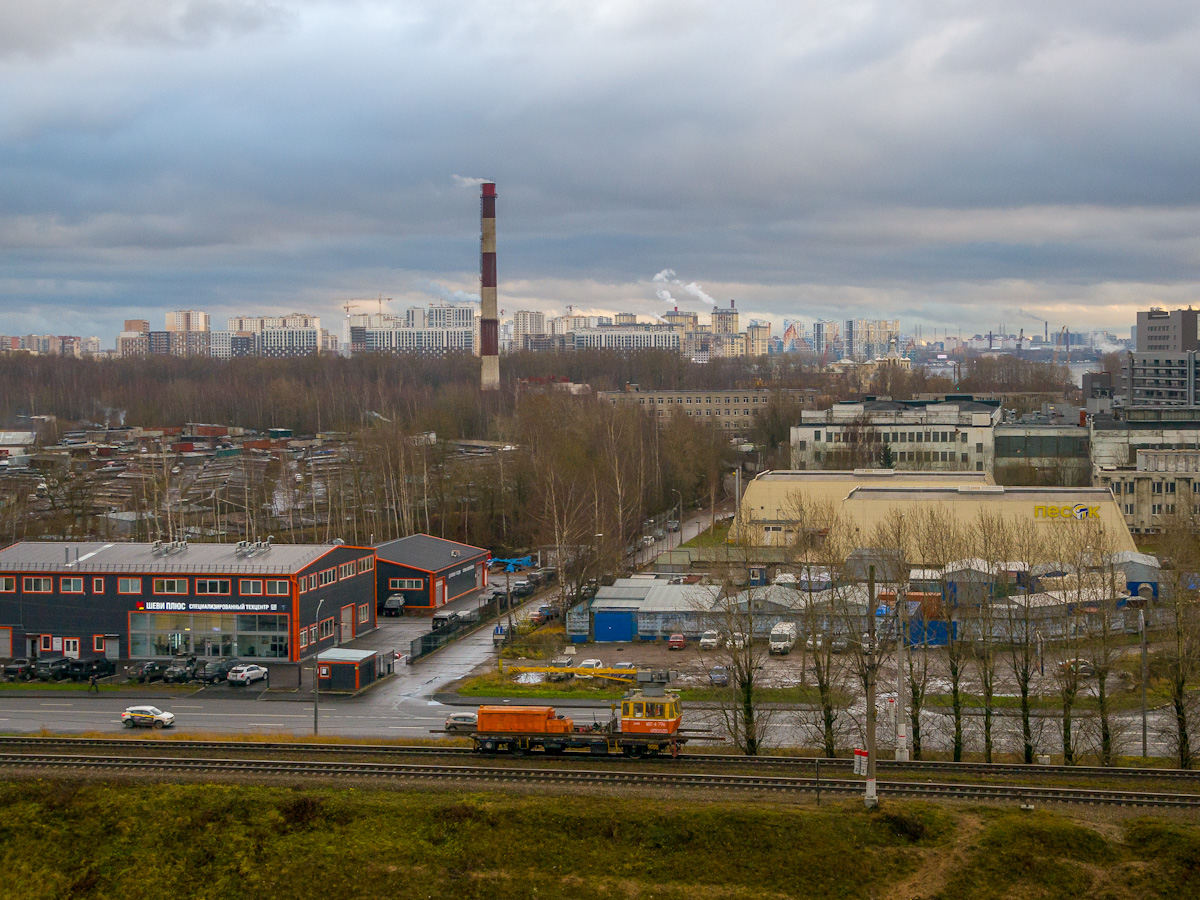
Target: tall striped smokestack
{"x": 489, "y": 323}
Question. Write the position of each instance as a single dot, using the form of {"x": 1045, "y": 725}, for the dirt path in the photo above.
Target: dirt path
{"x": 937, "y": 864}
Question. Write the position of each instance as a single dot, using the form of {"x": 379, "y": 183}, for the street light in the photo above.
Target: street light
{"x": 317, "y": 674}
{"x": 679, "y": 520}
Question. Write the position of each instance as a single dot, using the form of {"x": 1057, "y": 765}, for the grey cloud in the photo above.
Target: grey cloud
{"x": 47, "y": 27}
{"x": 931, "y": 147}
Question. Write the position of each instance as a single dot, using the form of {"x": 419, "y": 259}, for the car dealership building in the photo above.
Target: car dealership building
{"x": 275, "y": 602}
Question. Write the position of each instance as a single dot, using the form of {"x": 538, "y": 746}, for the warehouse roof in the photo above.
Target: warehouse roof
{"x": 68, "y": 556}
{"x": 427, "y": 553}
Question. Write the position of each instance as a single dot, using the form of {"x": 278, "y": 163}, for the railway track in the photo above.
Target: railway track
{"x": 795, "y": 763}
{"x": 573, "y": 775}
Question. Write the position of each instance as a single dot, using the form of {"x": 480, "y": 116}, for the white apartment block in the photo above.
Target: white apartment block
{"x": 864, "y": 339}
{"x": 525, "y": 323}
{"x": 643, "y": 337}
{"x": 255, "y": 324}
{"x": 452, "y": 316}
{"x": 420, "y": 340}
{"x": 285, "y": 342}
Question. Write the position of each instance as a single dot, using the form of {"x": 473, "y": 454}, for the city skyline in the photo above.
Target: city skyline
{"x": 953, "y": 168}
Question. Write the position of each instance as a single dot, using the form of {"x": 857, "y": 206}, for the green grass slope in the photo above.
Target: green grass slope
{"x": 61, "y": 839}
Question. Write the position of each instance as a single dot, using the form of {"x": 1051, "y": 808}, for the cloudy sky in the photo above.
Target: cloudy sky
{"x": 950, "y": 163}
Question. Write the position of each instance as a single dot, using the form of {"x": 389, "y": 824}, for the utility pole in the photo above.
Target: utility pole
{"x": 1145, "y": 672}
{"x": 870, "y": 799}
{"x": 317, "y": 675}
{"x": 901, "y": 639}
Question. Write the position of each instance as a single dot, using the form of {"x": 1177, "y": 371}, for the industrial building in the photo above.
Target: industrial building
{"x": 955, "y": 435}
{"x": 429, "y": 571}
{"x": 774, "y": 504}
{"x": 276, "y": 602}
{"x": 733, "y": 411}
{"x": 1162, "y": 485}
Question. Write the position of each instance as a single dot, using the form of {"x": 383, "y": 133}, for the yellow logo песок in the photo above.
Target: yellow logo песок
{"x": 1078, "y": 511}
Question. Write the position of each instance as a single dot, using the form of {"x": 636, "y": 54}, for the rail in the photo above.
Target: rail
{"x": 792, "y": 762}
{"x": 576, "y": 776}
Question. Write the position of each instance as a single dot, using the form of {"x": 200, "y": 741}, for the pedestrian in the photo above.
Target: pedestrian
{"x": 93, "y": 683}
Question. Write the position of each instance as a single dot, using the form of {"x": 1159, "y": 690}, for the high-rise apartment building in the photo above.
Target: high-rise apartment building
{"x": 526, "y": 323}
{"x": 758, "y": 338}
{"x": 864, "y": 339}
{"x": 1162, "y": 331}
{"x": 187, "y": 320}
{"x": 725, "y": 321}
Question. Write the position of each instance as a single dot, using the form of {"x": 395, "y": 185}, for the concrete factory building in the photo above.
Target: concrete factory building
{"x": 775, "y": 503}
{"x": 254, "y": 600}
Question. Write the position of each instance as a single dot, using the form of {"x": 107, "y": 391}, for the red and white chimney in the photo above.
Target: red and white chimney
{"x": 489, "y": 321}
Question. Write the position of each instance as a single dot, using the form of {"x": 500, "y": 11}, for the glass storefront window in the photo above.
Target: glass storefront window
{"x": 170, "y": 634}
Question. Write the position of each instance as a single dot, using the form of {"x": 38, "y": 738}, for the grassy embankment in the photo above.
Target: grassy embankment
{"x": 84, "y": 840}
{"x": 497, "y": 685}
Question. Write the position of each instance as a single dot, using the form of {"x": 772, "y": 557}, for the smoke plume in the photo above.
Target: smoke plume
{"x": 668, "y": 277}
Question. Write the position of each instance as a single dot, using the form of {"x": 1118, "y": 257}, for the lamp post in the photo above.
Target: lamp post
{"x": 317, "y": 674}
{"x": 870, "y": 797}
{"x": 1142, "y": 629}
{"x": 679, "y": 519}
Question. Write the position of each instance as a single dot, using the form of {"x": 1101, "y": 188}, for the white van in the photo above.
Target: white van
{"x": 783, "y": 638}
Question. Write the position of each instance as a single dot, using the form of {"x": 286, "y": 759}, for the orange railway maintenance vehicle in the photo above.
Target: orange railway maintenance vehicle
{"x": 647, "y": 723}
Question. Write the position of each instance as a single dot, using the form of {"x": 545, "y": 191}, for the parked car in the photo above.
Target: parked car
{"x": 217, "y": 670}
{"x": 718, "y": 676}
{"x": 839, "y": 644}
{"x": 543, "y": 614}
{"x": 19, "y": 669}
{"x": 737, "y": 640}
{"x": 676, "y": 642}
{"x": 522, "y": 588}
{"x": 151, "y": 670}
{"x": 181, "y": 671}
{"x": 710, "y": 640}
{"x": 659, "y": 534}
{"x": 1080, "y": 667}
{"x": 672, "y": 525}
{"x": 247, "y": 673}
{"x": 53, "y": 669}
{"x": 629, "y": 667}
{"x": 83, "y": 669}
{"x": 393, "y": 605}
{"x": 589, "y": 664}
{"x": 815, "y": 642}
{"x": 147, "y": 717}
{"x": 462, "y": 721}
{"x": 647, "y": 540}
{"x": 560, "y": 662}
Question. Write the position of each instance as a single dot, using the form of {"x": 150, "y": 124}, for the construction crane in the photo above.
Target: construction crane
{"x": 1063, "y": 340}
{"x": 359, "y": 301}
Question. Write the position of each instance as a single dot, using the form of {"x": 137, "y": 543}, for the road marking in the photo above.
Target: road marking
{"x": 56, "y": 704}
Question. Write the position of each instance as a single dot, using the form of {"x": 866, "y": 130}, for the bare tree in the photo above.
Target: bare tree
{"x": 1181, "y": 558}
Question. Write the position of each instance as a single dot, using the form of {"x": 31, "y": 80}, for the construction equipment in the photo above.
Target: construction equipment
{"x": 1063, "y": 341}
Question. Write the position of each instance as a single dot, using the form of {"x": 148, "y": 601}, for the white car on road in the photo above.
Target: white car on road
{"x": 147, "y": 717}
{"x": 246, "y": 674}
